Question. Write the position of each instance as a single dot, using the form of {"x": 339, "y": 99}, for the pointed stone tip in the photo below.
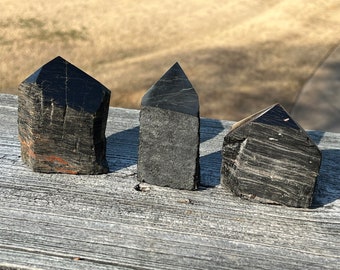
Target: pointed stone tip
{"x": 176, "y": 65}
{"x": 56, "y": 59}
{"x": 67, "y": 85}
{"x": 274, "y": 115}
{"x": 34, "y": 77}
{"x": 278, "y": 116}
{"x": 173, "y": 91}
{"x": 59, "y": 58}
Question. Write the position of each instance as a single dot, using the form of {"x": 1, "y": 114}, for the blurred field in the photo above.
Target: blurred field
{"x": 241, "y": 56}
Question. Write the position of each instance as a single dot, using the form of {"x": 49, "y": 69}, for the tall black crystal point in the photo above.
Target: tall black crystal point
{"x": 62, "y": 118}
{"x": 173, "y": 92}
{"x": 268, "y": 157}
{"x": 169, "y": 133}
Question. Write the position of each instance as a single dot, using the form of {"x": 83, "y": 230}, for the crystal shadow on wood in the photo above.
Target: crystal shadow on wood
{"x": 268, "y": 157}
{"x": 122, "y": 149}
{"x": 62, "y": 114}
{"x": 327, "y": 189}
{"x": 210, "y": 164}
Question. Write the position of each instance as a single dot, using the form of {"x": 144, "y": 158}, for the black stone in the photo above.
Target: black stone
{"x": 270, "y": 158}
{"x": 169, "y": 133}
{"x": 173, "y": 92}
{"x": 62, "y": 118}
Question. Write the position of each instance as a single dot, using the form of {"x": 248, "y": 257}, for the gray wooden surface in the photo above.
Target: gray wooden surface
{"x": 53, "y": 221}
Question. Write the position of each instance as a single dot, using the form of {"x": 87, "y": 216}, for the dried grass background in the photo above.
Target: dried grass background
{"x": 241, "y": 56}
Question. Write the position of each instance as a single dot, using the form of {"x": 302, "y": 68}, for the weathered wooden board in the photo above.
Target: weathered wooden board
{"x": 53, "y": 221}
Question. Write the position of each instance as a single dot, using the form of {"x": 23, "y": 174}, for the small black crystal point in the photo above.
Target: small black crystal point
{"x": 268, "y": 157}
{"x": 173, "y": 92}
{"x": 62, "y": 116}
{"x": 169, "y": 133}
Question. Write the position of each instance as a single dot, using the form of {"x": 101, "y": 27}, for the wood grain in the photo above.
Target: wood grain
{"x": 53, "y": 221}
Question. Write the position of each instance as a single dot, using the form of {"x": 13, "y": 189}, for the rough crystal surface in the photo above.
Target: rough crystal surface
{"x": 268, "y": 157}
{"x": 169, "y": 133}
{"x": 62, "y": 118}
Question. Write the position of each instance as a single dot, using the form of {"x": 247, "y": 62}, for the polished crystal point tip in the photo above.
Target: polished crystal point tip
{"x": 68, "y": 85}
{"x": 173, "y": 92}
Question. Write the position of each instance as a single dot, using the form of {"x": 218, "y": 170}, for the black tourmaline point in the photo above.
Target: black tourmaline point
{"x": 62, "y": 118}
{"x": 169, "y": 133}
{"x": 173, "y": 92}
{"x": 270, "y": 158}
